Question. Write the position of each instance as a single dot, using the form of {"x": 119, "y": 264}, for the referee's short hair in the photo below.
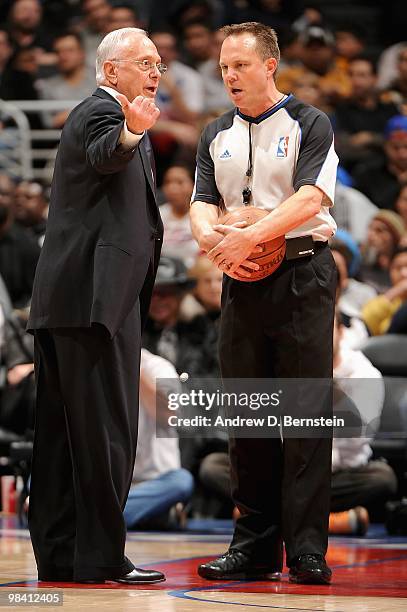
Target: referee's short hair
{"x": 266, "y": 37}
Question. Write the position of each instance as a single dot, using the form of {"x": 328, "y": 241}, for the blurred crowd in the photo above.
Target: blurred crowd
{"x": 355, "y": 71}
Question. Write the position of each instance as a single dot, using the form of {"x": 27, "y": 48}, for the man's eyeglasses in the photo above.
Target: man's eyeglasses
{"x": 145, "y": 65}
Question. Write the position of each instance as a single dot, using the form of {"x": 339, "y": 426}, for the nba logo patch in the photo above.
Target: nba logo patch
{"x": 282, "y": 147}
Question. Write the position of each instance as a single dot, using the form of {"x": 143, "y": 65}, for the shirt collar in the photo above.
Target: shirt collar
{"x": 110, "y": 91}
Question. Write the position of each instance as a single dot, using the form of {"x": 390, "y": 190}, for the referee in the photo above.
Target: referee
{"x": 276, "y": 153}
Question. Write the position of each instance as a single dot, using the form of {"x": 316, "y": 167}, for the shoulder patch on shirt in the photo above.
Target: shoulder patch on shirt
{"x": 225, "y": 155}
{"x": 282, "y": 147}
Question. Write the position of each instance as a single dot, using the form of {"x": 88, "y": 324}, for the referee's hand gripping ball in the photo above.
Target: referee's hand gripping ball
{"x": 237, "y": 255}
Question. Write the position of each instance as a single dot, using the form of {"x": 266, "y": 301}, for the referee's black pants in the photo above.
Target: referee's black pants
{"x": 84, "y": 449}
{"x": 281, "y": 327}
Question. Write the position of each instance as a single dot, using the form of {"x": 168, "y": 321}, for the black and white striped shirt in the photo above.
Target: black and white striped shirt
{"x": 292, "y": 145}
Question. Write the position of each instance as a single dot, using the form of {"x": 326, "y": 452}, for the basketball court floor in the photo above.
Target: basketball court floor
{"x": 370, "y": 574}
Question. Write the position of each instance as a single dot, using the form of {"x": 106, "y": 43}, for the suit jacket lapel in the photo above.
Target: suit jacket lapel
{"x": 145, "y": 148}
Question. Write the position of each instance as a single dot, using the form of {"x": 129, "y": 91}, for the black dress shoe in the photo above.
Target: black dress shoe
{"x": 235, "y": 565}
{"x": 310, "y": 569}
{"x": 140, "y": 576}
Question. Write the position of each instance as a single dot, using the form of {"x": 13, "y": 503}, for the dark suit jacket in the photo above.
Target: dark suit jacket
{"x": 104, "y": 230}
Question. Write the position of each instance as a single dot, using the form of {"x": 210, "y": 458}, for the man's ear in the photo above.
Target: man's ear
{"x": 271, "y": 64}
{"x": 110, "y": 70}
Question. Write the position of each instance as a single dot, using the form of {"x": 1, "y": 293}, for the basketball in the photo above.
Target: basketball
{"x": 273, "y": 250}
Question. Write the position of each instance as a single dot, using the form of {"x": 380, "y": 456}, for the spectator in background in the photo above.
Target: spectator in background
{"x": 401, "y": 203}
{"x": 159, "y": 483}
{"x": 180, "y": 95}
{"x": 6, "y": 50}
{"x": 26, "y": 29}
{"x": 74, "y": 81}
{"x": 350, "y": 42}
{"x": 180, "y": 100}
{"x": 360, "y": 121}
{"x": 396, "y": 91}
{"x": 381, "y": 180}
{"x": 18, "y": 80}
{"x": 357, "y": 480}
{"x": 307, "y": 89}
{"x": 208, "y": 289}
{"x": 31, "y": 208}
{"x": 18, "y": 395}
{"x": 19, "y": 251}
{"x": 123, "y": 15}
{"x": 197, "y": 39}
{"x": 95, "y": 24}
{"x": 387, "y": 65}
{"x": 178, "y": 183}
{"x": 353, "y": 211}
{"x": 290, "y": 48}
{"x": 378, "y": 312}
{"x": 383, "y": 238}
{"x": 170, "y": 330}
{"x": 216, "y": 99}
{"x": 207, "y": 293}
{"x": 318, "y": 57}
{"x": 353, "y": 294}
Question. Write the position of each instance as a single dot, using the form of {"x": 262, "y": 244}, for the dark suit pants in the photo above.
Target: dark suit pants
{"x": 84, "y": 449}
{"x": 281, "y": 327}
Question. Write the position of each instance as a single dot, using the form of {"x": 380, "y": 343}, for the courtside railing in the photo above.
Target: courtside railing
{"x": 26, "y": 153}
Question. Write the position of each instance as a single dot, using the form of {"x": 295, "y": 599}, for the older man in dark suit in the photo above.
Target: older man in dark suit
{"x": 91, "y": 295}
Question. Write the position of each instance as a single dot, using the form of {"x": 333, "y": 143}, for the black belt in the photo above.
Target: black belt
{"x": 303, "y": 246}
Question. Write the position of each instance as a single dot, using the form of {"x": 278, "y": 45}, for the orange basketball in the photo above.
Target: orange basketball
{"x": 273, "y": 250}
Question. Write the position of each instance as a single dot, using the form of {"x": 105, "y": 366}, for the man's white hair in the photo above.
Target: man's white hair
{"x": 109, "y": 46}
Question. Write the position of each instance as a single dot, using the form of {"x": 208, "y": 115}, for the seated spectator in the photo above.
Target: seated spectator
{"x": 357, "y": 480}
{"x": 290, "y": 48}
{"x": 27, "y": 30}
{"x": 361, "y": 119}
{"x": 74, "y": 81}
{"x": 353, "y": 211}
{"x": 401, "y": 203}
{"x": 387, "y": 65}
{"x": 385, "y": 231}
{"x": 197, "y": 38}
{"x": 180, "y": 95}
{"x": 350, "y": 42}
{"x": 353, "y": 293}
{"x": 207, "y": 293}
{"x": 380, "y": 181}
{"x": 19, "y": 251}
{"x": 396, "y": 92}
{"x": 216, "y": 99}
{"x": 17, "y": 397}
{"x": 208, "y": 288}
{"x": 171, "y": 332}
{"x": 31, "y": 208}
{"x": 159, "y": 483}
{"x": 123, "y": 15}
{"x": 180, "y": 99}
{"x": 178, "y": 241}
{"x": 307, "y": 88}
{"x": 18, "y": 80}
{"x": 318, "y": 57}
{"x": 379, "y": 311}
{"x": 94, "y": 26}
